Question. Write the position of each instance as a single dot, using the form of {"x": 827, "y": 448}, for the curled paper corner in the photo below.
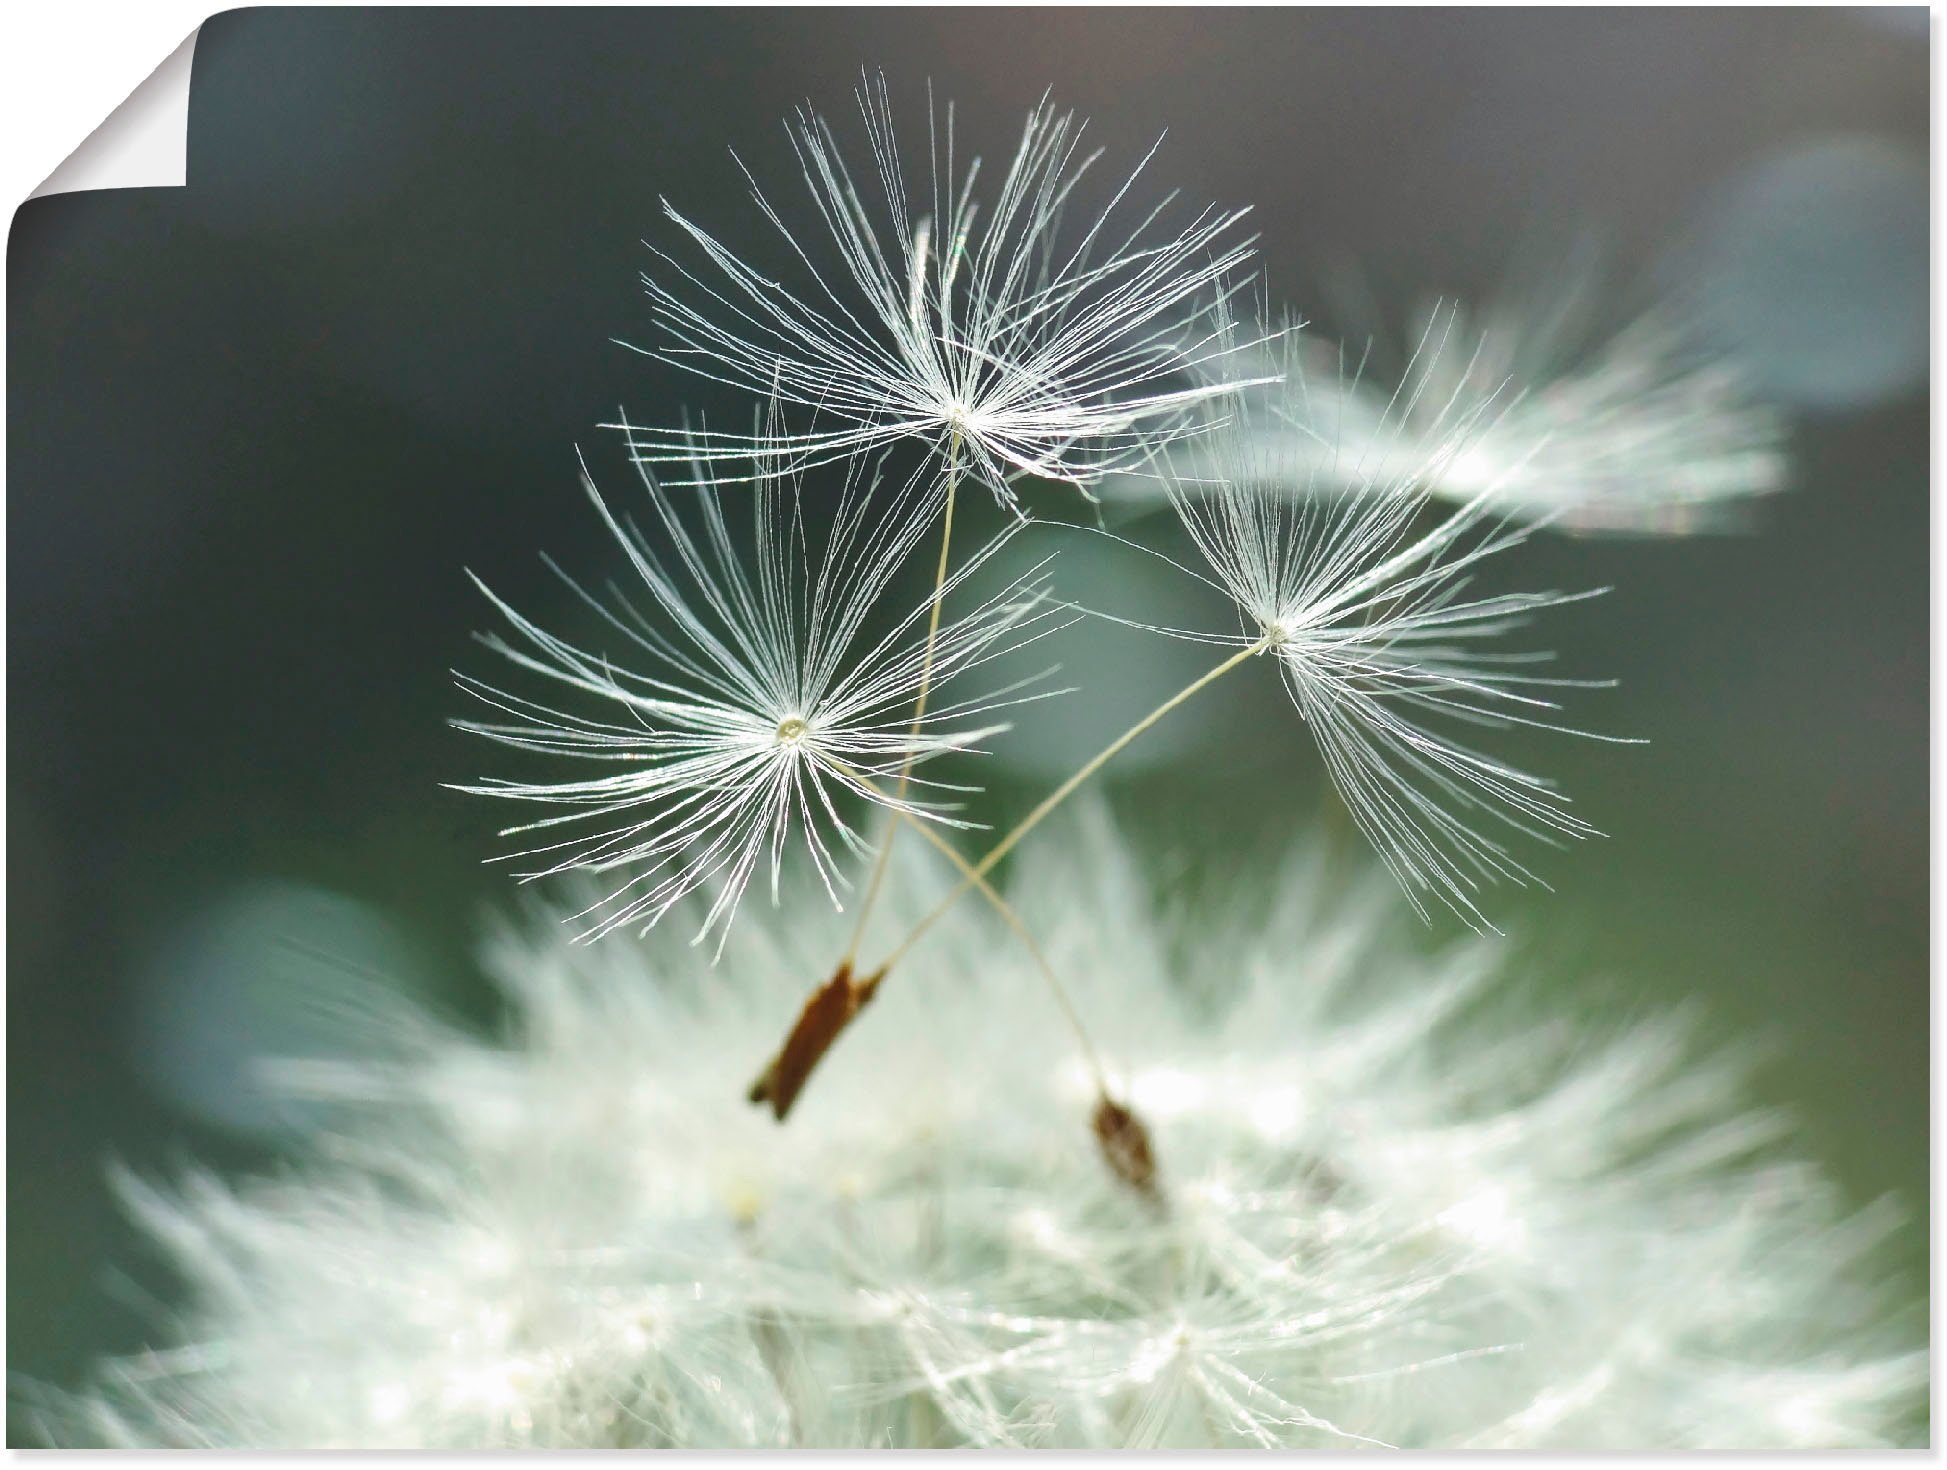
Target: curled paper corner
{"x": 143, "y": 144}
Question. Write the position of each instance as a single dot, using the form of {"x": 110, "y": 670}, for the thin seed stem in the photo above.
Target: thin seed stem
{"x": 1061, "y": 793}
{"x": 1013, "y": 921}
{"x": 919, "y": 705}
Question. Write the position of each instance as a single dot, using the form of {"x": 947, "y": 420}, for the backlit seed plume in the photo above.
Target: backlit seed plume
{"x": 1045, "y": 352}
{"x": 1365, "y": 602}
{"x": 1635, "y": 431}
{"x": 1394, "y": 1212}
{"x": 749, "y": 697}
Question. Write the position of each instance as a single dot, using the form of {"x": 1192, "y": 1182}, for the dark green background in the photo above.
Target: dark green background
{"x": 257, "y": 427}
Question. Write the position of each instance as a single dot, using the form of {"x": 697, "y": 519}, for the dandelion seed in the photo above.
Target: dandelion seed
{"x": 755, "y": 699}
{"x": 1367, "y": 620}
{"x": 1366, "y": 608}
{"x": 1635, "y": 431}
{"x": 1063, "y": 357}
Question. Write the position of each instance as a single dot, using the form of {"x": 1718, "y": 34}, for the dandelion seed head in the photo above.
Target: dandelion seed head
{"x": 1392, "y": 1211}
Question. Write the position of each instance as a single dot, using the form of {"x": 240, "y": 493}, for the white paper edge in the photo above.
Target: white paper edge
{"x": 144, "y": 143}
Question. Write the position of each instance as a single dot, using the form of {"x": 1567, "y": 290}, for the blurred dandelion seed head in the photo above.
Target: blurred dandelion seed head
{"x": 1396, "y": 1213}
{"x": 1338, "y": 1191}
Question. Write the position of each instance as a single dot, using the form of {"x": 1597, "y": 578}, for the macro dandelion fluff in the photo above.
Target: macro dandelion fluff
{"x": 985, "y": 332}
{"x": 1638, "y": 429}
{"x": 1243, "y": 1157}
{"x": 1364, "y": 602}
{"x": 1639, "y": 432}
{"x": 1397, "y": 1208}
{"x": 750, "y": 698}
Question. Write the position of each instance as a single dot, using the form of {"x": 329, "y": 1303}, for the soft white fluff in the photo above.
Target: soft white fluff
{"x": 1366, "y": 604}
{"x": 1637, "y": 432}
{"x": 743, "y": 693}
{"x": 1634, "y": 430}
{"x": 1398, "y": 1208}
{"x": 982, "y": 329}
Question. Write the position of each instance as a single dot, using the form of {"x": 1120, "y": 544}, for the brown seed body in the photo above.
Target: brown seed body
{"x": 1125, "y": 1144}
{"x": 825, "y": 1015}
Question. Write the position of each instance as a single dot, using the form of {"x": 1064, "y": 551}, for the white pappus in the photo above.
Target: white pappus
{"x": 992, "y": 335}
{"x": 1636, "y": 429}
{"x": 753, "y": 695}
{"x": 1396, "y": 1208}
{"x": 1365, "y": 603}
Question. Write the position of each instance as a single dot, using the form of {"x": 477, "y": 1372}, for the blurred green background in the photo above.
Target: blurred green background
{"x": 258, "y": 426}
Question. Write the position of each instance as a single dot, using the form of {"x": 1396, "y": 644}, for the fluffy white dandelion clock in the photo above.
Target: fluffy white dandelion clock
{"x": 1308, "y": 1187}
{"x": 1388, "y": 1211}
{"x": 991, "y": 332}
{"x": 749, "y": 696}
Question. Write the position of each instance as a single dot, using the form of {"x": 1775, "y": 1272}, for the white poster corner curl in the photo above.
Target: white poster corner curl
{"x": 143, "y": 144}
